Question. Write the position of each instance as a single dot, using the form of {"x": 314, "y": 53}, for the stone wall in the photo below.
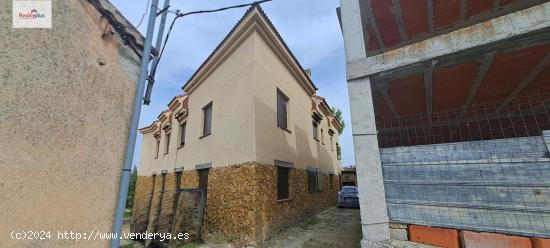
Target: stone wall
{"x": 273, "y": 215}
{"x": 231, "y": 204}
{"x": 140, "y": 213}
{"x": 241, "y": 201}
{"x": 167, "y": 204}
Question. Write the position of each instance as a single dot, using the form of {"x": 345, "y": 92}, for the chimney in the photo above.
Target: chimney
{"x": 308, "y": 72}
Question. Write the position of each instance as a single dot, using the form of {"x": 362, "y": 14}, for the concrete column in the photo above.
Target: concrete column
{"x": 374, "y": 215}
{"x": 546, "y": 137}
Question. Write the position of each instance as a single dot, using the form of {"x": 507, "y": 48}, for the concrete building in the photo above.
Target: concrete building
{"x": 249, "y": 129}
{"x": 449, "y": 106}
{"x": 67, "y": 97}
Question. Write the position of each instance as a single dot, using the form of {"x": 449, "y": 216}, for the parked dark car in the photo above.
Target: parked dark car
{"x": 348, "y": 197}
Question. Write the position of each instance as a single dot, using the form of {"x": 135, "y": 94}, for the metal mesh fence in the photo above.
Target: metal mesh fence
{"x": 518, "y": 117}
{"x": 484, "y": 169}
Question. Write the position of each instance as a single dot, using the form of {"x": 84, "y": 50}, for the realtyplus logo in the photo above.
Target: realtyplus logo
{"x": 32, "y": 14}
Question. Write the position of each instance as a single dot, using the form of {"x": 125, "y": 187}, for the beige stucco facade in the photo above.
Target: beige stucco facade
{"x": 66, "y": 100}
{"x": 230, "y": 89}
{"x": 241, "y": 80}
{"x": 297, "y": 145}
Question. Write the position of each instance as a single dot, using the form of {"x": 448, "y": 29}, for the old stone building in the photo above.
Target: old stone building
{"x": 66, "y": 102}
{"x": 250, "y": 129}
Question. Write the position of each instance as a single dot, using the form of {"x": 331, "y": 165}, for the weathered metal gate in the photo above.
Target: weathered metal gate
{"x": 178, "y": 212}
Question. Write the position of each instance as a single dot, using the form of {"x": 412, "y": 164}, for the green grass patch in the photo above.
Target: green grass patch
{"x": 127, "y": 213}
{"x": 309, "y": 222}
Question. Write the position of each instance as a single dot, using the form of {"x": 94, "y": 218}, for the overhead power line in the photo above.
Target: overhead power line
{"x": 179, "y": 15}
{"x": 222, "y": 9}
{"x": 144, "y": 14}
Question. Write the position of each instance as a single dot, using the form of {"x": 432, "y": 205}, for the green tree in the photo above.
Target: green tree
{"x": 338, "y": 115}
{"x": 131, "y": 189}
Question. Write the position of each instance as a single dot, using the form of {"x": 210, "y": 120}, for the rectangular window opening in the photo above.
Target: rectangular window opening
{"x": 158, "y": 149}
{"x": 177, "y": 187}
{"x": 320, "y": 184}
{"x": 207, "y": 120}
{"x": 167, "y": 144}
{"x": 315, "y": 131}
{"x": 182, "y": 133}
{"x": 312, "y": 181}
{"x": 282, "y": 110}
{"x": 282, "y": 183}
{"x": 203, "y": 178}
{"x": 331, "y": 181}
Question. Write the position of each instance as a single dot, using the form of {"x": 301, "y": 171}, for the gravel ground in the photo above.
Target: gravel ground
{"x": 332, "y": 228}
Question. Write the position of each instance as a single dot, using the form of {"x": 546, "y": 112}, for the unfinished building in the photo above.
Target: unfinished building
{"x": 449, "y": 103}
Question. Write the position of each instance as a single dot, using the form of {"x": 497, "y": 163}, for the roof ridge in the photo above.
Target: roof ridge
{"x": 270, "y": 24}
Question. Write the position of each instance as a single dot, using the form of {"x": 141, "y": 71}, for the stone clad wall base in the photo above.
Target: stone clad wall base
{"x": 142, "y": 198}
{"x": 241, "y": 200}
{"x": 273, "y": 215}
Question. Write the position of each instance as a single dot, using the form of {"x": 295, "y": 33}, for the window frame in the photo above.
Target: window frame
{"x": 283, "y": 184}
{"x": 331, "y": 181}
{"x": 315, "y": 130}
{"x": 311, "y": 181}
{"x": 203, "y": 175}
{"x": 315, "y": 180}
{"x": 286, "y": 167}
{"x": 285, "y": 99}
{"x": 167, "y": 142}
{"x": 204, "y": 122}
{"x": 320, "y": 182}
{"x": 158, "y": 148}
{"x": 183, "y": 130}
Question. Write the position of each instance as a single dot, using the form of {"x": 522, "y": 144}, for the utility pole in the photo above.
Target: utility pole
{"x": 160, "y": 35}
{"x": 138, "y": 101}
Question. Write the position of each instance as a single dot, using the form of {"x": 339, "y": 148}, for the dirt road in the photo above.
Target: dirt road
{"x": 332, "y": 228}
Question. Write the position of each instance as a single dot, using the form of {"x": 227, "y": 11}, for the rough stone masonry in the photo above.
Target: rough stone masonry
{"x": 241, "y": 200}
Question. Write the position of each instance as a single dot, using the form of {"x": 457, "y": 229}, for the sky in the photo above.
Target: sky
{"x": 310, "y": 28}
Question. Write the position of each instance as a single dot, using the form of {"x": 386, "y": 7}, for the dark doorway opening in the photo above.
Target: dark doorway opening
{"x": 203, "y": 178}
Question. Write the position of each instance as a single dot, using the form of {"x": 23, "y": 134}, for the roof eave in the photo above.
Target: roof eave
{"x": 253, "y": 15}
